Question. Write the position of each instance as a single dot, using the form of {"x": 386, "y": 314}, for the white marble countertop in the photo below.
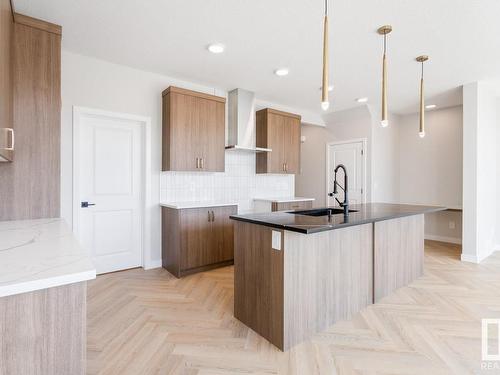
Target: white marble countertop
{"x": 181, "y": 205}
{"x": 40, "y": 254}
{"x": 284, "y": 199}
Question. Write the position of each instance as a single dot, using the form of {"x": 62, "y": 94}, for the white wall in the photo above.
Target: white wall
{"x": 497, "y": 246}
{"x": 89, "y": 82}
{"x": 385, "y": 155}
{"x": 480, "y": 171}
{"x": 431, "y": 167}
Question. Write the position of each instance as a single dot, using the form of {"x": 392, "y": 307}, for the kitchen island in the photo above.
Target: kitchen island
{"x": 43, "y": 290}
{"x": 297, "y": 273}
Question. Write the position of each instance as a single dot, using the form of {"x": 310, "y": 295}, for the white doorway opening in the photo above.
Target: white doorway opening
{"x": 111, "y": 187}
{"x": 352, "y": 154}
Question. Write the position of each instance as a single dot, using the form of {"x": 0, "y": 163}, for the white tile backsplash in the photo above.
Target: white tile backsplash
{"x": 238, "y": 183}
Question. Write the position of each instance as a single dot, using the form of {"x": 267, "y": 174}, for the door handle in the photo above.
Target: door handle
{"x": 213, "y": 216}
{"x": 87, "y": 204}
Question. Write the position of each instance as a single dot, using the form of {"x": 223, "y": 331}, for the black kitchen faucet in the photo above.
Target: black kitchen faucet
{"x": 345, "y": 204}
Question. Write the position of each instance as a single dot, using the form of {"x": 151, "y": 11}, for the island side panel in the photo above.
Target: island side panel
{"x": 258, "y": 281}
{"x": 328, "y": 277}
{"x": 398, "y": 252}
{"x": 44, "y": 332}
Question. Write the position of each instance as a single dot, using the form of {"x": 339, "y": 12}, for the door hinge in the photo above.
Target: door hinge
{"x": 361, "y": 190}
{"x": 362, "y": 152}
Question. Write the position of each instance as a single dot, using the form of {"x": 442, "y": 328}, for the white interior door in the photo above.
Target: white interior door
{"x": 351, "y": 155}
{"x": 110, "y": 174}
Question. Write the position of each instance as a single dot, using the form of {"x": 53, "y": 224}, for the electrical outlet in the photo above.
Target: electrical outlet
{"x": 451, "y": 225}
{"x": 276, "y": 240}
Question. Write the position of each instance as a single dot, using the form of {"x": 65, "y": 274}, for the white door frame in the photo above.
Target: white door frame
{"x": 328, "y": 170}
{"x": 78, "y": 112}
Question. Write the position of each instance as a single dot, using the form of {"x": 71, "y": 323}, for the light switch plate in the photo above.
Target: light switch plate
{"x": 276, "y": 240}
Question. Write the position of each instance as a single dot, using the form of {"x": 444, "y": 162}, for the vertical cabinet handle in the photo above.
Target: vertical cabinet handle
{"x": 197, "y": 163}
{"x": 202, "y": 163}
{"x": 211, "y": 216}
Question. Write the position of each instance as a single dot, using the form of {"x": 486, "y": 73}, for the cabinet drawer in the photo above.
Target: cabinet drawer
{"x": 299, "y": 205}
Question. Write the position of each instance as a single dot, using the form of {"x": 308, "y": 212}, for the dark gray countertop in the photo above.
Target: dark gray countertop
{"x": 367, "y": 213}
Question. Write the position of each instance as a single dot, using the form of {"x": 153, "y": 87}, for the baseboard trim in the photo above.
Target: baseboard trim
{"x": 469, "y": 258}
{"x": 153, "y": 264}
{"x": 454, "y": 240}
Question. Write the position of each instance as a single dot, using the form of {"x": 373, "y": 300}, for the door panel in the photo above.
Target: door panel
{"x": 196, "y": 238}
{"x": 276, "y": 134}
{"x": 184, "y": 132}
{"x": 110, "y": 154}
{"x": 292, "y": 145}
{"x": 351, "y": 155}
{"x": 212, "y": 128}
{"x": 222, "y": 233}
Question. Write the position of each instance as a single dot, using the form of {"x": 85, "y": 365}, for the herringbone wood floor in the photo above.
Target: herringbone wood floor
{"x": 148, "y": 322}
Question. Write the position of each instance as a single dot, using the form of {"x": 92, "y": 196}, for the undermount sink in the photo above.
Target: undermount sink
{"x": 320, "y": 212}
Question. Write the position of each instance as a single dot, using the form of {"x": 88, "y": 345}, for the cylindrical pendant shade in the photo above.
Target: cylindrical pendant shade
{"x": 421, "y": 130}
{"x": 384, "y": 30}
{"x": 421, "y": 127}
{"x": 324, "y": 89}
{"x": 384, "y": 121}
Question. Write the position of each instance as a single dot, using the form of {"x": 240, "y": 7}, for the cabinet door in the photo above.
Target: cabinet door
{"x": 195, "y": 238}
{"x": 222, "y": 233}
{"x": 184, "y": 131}
{"x": 211, "y": 123}
{"x": 275, "y": 137}
{"x": 292, "y": 144}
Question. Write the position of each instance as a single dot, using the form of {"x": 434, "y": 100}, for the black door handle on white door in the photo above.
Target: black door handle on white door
{"x": 87, "y": 204}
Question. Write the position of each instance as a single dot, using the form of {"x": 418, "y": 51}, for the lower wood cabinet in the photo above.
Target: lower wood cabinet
{"x": 197, "y": 239}
{"x": 295, "y": 205}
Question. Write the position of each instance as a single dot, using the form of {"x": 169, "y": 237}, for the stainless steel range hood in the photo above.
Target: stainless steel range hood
{"x": 241, "y": 121}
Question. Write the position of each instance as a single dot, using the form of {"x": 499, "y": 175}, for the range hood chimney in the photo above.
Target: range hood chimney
{"x": 241, "y": 121}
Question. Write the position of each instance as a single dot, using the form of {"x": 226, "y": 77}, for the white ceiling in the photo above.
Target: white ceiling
{"x": 170, "y": 37}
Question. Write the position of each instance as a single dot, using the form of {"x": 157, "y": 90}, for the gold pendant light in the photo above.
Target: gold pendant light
{"x": 384, "y": 30}
{"x": 421, "y": 130}
{"x": 325, "y": 104}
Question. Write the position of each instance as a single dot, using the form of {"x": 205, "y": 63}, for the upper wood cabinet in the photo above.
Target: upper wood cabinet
{"x": 6, "y": 106}
{"x": 193, "y": 131}
{"x": 32, "y": 181}
{"x": 279, "y": 131}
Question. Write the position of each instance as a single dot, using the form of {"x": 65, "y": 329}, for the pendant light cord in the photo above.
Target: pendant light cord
{"x": 326, "y": 8}
{"x": 385, "y": 43}
{"x": 422, "y": 76}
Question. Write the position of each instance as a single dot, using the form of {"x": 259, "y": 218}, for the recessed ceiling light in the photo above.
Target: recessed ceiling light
{"x": 330, "y": 88}
{"x": 362, "y": 100}
{"x": 281, "y": 72}
{"x": 430, "y": 106}
{"x": 216, "y": 48}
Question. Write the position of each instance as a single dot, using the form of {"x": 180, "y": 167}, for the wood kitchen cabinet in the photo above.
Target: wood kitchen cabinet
{"x": 193, "y": 131}
{"x": 32, "y": 180}
{"x": 279, "y": 131}
{"x": 295, "y": 205}
{"x": 197, "y": 239}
